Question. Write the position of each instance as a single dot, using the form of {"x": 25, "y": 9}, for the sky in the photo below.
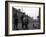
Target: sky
{"x": 30, "y": 11}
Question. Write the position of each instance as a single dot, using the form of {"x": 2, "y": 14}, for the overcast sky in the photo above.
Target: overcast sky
{"x": 30, "y": 11}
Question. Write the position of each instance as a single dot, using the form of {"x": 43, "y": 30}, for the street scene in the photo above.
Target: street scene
{"x": 23, "y": 19}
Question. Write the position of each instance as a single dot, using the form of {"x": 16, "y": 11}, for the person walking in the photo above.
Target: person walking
{"x": 24, "y": 20}
{"x": 15, "y": 21}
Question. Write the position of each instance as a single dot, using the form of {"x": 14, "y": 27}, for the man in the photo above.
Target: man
{"x": 15, "y": 21}
{"x": 24, "y": 19}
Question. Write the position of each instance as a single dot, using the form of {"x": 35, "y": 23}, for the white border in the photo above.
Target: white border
{"x": 10, "y": 5}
